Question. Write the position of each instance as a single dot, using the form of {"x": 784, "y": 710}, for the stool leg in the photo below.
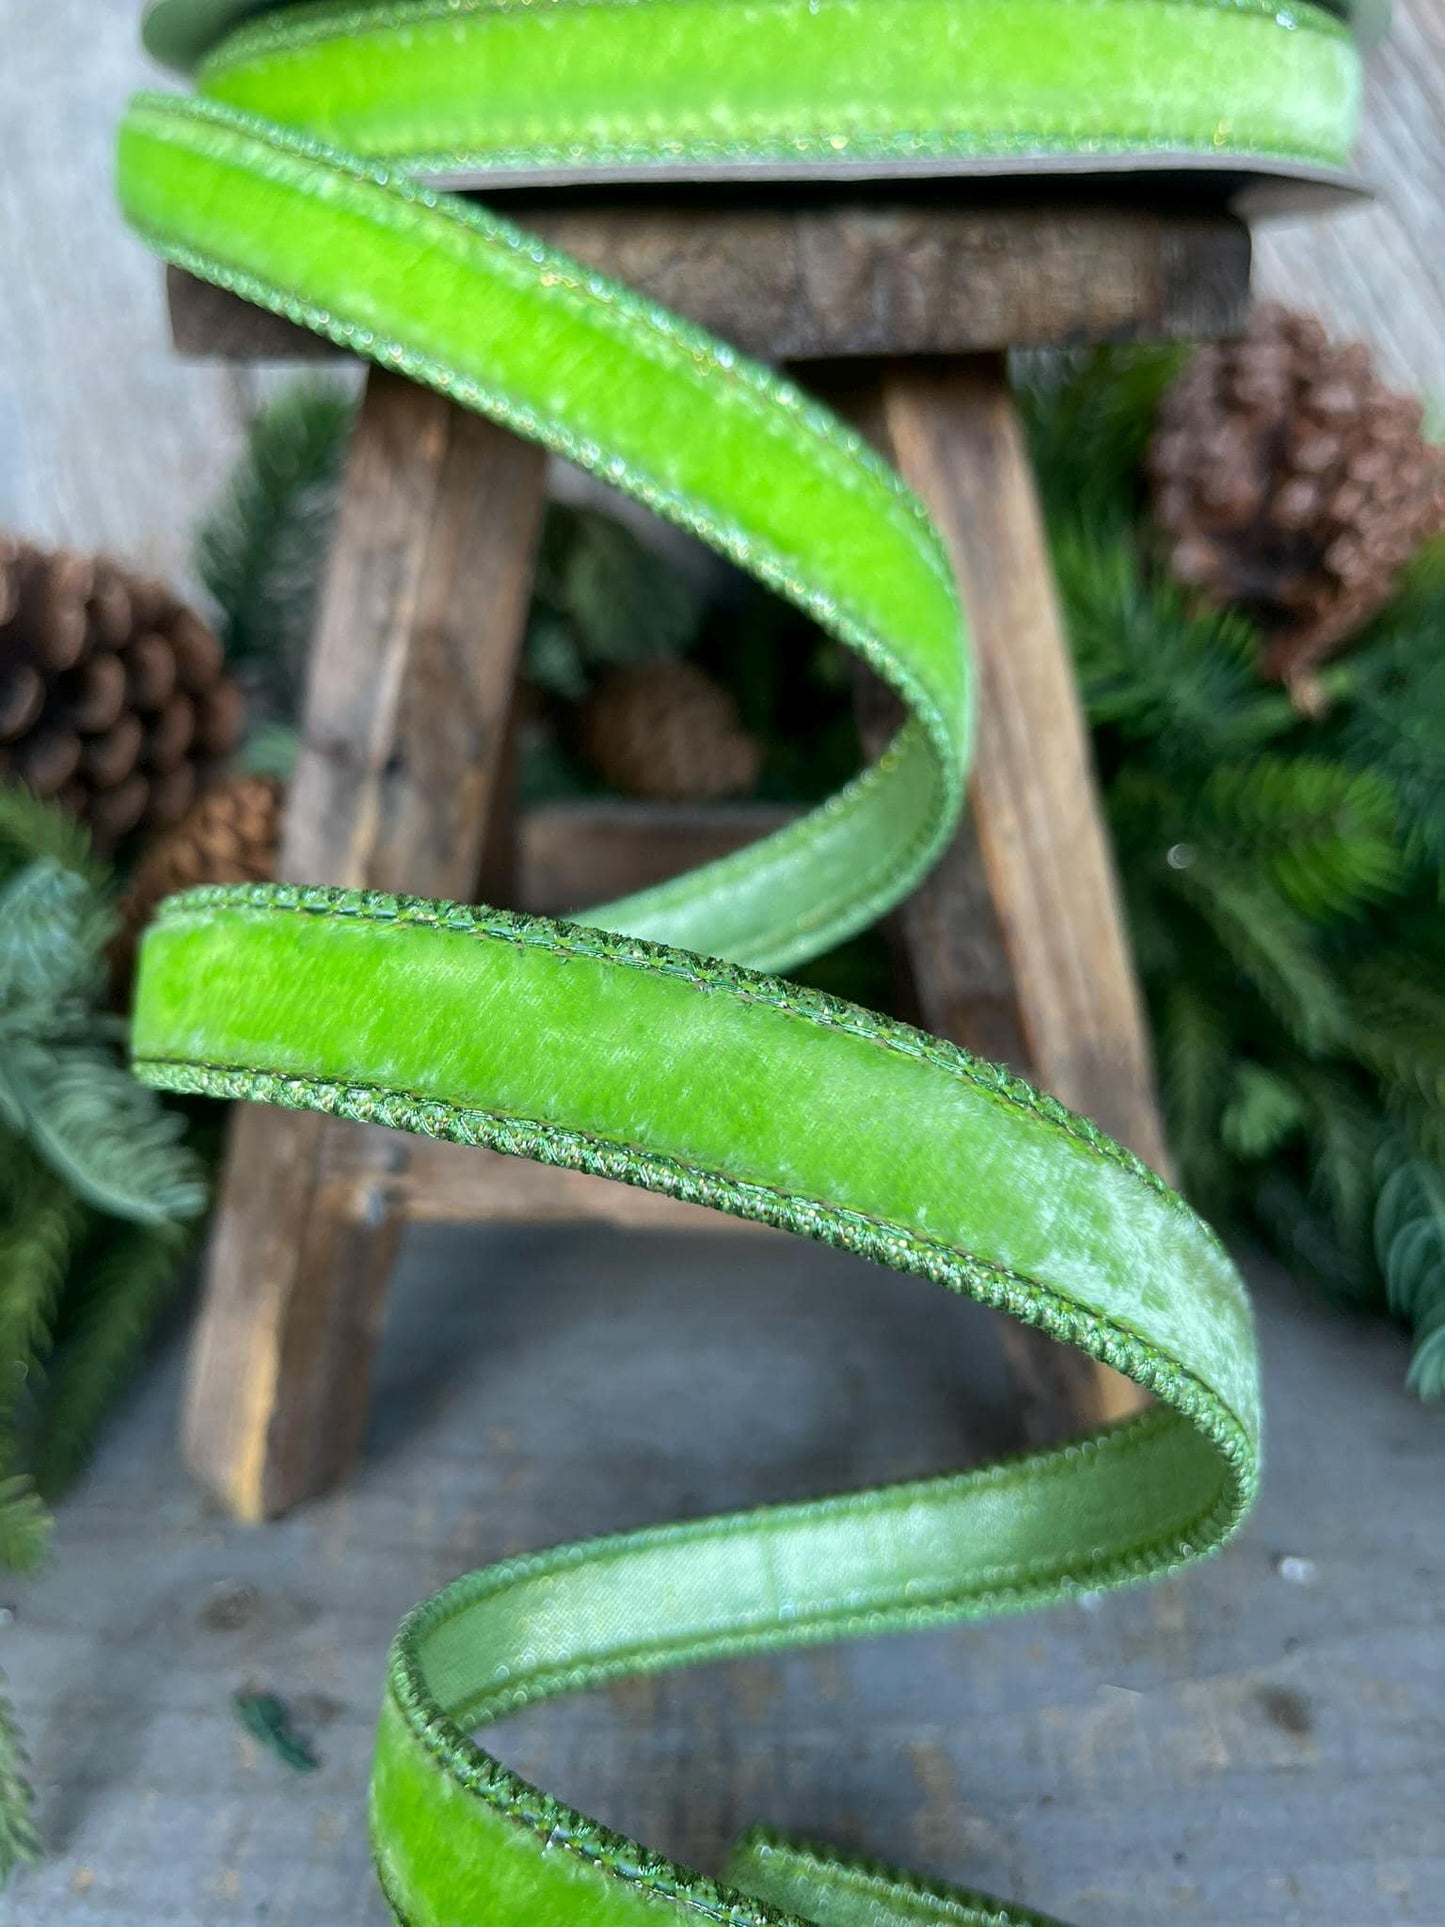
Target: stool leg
{"x": 1017, "y": 942}
{"x": 410, "y": 690}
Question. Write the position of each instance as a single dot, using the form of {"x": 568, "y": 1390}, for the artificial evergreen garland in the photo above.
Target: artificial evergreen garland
{"x": 259, "y": 551}
{"x": 97, "y": 1189}
{"x": 1284, "y": 872}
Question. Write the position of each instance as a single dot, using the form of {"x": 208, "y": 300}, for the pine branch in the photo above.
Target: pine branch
{"x": 260, "y": 551}
{"x": 25, "y": 1526}
{"x": 31, "y": 831}
{"x": 1344, "y": 1134}
{"x": 1283, "y": 876}
{"x": 53, "y": 930}
{"x": 1300, "y": 1227}
{"x": 1410, "y": 1244}
{"x": 124, "y": 1284}
{"x": 1263, "y": 1112}
{"x": 1089, "y": 418}
{"x": 602, "y": 597}
{"x": 1149, "y": 667}
{"x": 34, "y": 1241}
{"x": 109, "y": 1137}
{"x": 1398, "y": 1009}
{"x": 1196, "y": 1054}
{"x": 1271, "y": 947}
{"x": 37, "y": 1236}
{"x": 19, "y": 1842}
{"x": 1388, "y": 703}
{"x": 1327, "y": 834}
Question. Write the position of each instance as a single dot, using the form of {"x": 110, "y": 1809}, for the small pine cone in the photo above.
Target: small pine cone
{"x": 113, "y": 696}
{"x": 1289, "y": 481}
{"x": 232, "y": 835}
{"x": 668, "y": 732}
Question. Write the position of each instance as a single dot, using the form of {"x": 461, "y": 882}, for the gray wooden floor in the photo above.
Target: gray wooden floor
{"x": 1259, "y": 1741}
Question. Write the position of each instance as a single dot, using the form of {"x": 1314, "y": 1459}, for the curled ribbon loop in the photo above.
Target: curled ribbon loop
{"x": 646, "y": 1044}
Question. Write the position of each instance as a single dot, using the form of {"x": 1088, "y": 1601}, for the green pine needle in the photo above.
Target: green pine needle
{"x": 115, "y": 1297}
{"x": 1089, "y": 417}
{"x": 1263, "y": 1112}
{"x": 19, "y": 1842}
{"x": 268, "y": 1719}
{"x": 1284, "y": 877}
{"x": 39, "y": 1220}
{"x": 1196, "y": 1062}
{"x": 31, "y": 831}
{"x": 114, "y": 1144}
{"x": 25, "y": 1525}
{"x": 260, "y": 551}
{"x": 1389, "y": 715}
{"x": 78, "y": 1137}
{"x": 1328, "y": 835}
{"x": 1271, "y": 948}
{"x": 55, "y": 928}
{"x": 1399, "y": 1033}
{"x": 1151, "y": 668}
{"x": 602, "y": 597}
{"x": 1410, "y": 1245}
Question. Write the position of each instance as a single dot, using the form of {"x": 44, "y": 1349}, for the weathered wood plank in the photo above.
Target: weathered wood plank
{"x": 1033, "y": 798}
{"x": 571, "y": 854}
{"x": 454, "y": 1184}
{"x": 1016, "y": 942}
{"x": 825, "y": 280}
{"x": 406, "y": 712}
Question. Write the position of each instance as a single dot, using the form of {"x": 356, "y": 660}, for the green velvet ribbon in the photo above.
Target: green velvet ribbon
{"x": 647, "y": 1044}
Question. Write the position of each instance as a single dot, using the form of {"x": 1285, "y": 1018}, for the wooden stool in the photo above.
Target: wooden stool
{"x": 1015, "y": 944}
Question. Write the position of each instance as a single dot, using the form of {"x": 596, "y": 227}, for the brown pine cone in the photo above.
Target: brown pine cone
{"x": 113, "y": 696}
{"x": 1288, "y": 480}
{"x": 232, "y": 835}
{"x": 666, "y": 731}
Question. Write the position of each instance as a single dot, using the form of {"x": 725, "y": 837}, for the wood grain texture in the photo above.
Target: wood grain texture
{"x": 454, "y": 1184}
{"x": 405, "y": 718}
{"x": 831, "y": 280}
{"x": 1033, "y": 800}
{"x": 1047, "y": 920}
{"x": 574, "y": 853}
{"x": 1256, "y": 1743}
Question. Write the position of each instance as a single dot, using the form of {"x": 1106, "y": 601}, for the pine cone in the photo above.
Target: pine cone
{"x": 1290, "y": 481}
{"x": 113, "y": 696}
{"x": 666, "y": 731}
{"x": 232, "y": 835}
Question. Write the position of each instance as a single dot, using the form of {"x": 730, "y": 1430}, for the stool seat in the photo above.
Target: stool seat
{"x": 824, "y": 279}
